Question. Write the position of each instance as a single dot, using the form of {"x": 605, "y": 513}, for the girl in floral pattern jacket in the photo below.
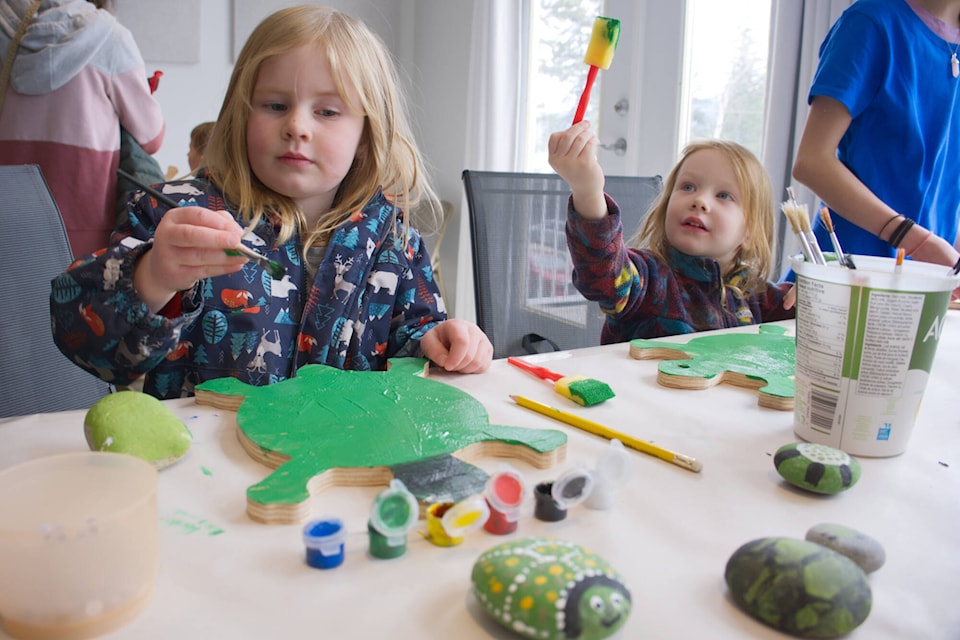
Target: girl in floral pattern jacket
{"x": 311, "y": 164}
{"x": 706, "y": 243}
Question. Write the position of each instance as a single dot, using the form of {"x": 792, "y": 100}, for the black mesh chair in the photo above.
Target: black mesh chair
{"x": 526, "y": 301}
{"x": 36, "y": 377}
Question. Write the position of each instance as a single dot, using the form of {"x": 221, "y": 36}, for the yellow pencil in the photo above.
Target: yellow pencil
{"x": 598, "y": 429}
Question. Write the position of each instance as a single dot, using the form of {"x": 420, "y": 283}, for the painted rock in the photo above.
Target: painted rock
{"x": 799, "y": 587}
{"x": 816, "y": 467}
{"x": 551, "y": 590}
{"x": 136, "y": 424}
{"x": 859, "y": 547}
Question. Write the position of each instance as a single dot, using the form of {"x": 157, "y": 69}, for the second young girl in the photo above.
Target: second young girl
{"x": 702, "y": 257}
{"x": 313, "y": 155}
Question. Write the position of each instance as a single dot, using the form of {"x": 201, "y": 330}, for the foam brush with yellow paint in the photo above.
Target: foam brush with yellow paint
{"x": 603, "y": 44}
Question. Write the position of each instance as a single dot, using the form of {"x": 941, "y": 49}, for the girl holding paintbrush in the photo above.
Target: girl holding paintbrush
{"x": 702, "y": 256}
{"x": 312, "y": 154}
{"x": 881, "y": 139}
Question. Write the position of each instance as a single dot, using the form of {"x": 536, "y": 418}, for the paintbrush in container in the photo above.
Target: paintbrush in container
{"x": 274, "y": 268}
{"x": 842, "y": 258}
{"x": 796, "y": 214}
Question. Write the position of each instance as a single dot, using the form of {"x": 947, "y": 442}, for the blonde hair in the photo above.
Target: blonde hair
{"x": 756, "y": 250}
{"x": 387, "y": 157}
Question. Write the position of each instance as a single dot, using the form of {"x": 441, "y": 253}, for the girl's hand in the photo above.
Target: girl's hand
{"x": 573, "y": 155}
{"x": 188, "y": 245}
{"x": 457, "y": 345}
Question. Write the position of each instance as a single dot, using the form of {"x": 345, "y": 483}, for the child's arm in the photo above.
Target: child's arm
{"x": 573, "y": 155}
{"x": 818, "y": 167}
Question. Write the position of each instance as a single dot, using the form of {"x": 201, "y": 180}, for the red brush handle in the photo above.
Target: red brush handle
{"x": 540, "y": 372}
{"x": 585, "y": 96}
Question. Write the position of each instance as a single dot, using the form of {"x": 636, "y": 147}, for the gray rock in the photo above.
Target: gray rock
{"x": 859, "y": 547}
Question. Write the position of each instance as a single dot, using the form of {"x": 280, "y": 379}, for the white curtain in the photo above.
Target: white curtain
{"x": 796, "y": 31}
{"x": 498, "y": 44}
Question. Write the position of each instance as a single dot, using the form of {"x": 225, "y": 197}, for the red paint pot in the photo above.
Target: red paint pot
{"x": 505, "y": 492}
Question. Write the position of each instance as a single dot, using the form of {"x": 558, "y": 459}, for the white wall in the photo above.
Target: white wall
{"x": 430, "y": 39}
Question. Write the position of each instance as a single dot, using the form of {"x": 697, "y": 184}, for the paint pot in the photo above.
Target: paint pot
{"x": 324, "y": 539}
{"x": 505, "y": 492}
{"x": 448, "y": 522}
{"x": 394, "y": 513}
{"x": 866, "y": 339}
{"x": 614, "y": 468}
{"x": 552, "y": 499}
{"x": 79, "y": 544}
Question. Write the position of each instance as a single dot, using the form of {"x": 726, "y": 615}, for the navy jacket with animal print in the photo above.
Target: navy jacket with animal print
{"x": 371, "y": 300}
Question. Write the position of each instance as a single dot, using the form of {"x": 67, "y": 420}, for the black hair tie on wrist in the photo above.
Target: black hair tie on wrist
{"x": 900, "y": 232}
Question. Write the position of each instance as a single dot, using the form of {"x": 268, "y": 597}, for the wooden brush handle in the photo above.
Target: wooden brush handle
{"x": 540, "y": 372}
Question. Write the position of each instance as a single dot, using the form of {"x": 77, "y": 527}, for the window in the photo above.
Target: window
{"x": 684, "y": 70}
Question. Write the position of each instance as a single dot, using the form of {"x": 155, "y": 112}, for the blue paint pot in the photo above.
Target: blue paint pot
{"x": 324, "y": 541}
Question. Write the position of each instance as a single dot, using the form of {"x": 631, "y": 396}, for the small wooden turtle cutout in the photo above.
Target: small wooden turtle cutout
{"x": 328, "y": 427}
{"x": 764, "y": 361}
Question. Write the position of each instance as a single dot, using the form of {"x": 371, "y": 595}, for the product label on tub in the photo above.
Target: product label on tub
{"x": 862, "y": 362}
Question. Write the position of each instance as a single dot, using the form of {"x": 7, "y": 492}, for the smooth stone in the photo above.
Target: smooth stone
{"x": 136, "y": 424}
{"x": 799, "y": 587}
{"x": 816, "y": 467}
{"x": 859, "y": 547}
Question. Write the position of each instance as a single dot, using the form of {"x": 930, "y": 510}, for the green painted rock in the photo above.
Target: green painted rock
{"x": 550, "y": 590}
{"x": 799, "y": 587}
{"x": 136, "y": 424}
{"x": 816, "y": 467}
{"x": 859, "y": 547}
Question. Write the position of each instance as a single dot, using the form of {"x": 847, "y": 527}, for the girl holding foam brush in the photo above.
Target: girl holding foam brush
{"x": 701, "y": 259}
{"x": 881, "y": 139}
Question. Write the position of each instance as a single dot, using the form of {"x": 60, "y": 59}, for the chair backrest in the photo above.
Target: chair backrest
{"x": 36, "y": 377}
{"x": 521, "y": 266}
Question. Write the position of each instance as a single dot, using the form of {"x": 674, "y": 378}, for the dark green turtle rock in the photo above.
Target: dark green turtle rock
{"x": 799, "y": 587}
{"x": 816, "y": 467}
{"x": 550, "y": 590}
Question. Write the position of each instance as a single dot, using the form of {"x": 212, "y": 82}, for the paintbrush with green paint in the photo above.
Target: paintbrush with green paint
{"x": 582, "y": 390}
{"x": 274, "y": 268}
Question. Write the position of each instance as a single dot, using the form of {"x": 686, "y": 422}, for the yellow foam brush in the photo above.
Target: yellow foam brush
{"x": 603, "y": 43}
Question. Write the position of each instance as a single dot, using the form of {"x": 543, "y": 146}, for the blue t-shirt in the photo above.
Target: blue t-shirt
{"x": 894, "y": 76}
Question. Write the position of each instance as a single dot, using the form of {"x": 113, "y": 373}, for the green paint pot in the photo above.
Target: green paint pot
{"x": 394, "y": 513}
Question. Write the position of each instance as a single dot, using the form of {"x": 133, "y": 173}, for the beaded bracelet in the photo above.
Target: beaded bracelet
{"x": 887, "y": 224}
{"x": 922, "y": 242}
{"x": 900, "y": 232}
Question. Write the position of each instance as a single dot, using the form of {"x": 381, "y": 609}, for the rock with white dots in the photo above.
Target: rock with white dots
{"x": 551, "y": 590}
{"x": 816, "y": 467}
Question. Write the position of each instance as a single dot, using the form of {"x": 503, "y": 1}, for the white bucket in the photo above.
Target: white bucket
{"x": 866, "y": 339}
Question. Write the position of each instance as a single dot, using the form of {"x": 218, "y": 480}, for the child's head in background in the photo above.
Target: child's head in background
{"x": 717, "y": 203}
{"x": 321, "y": 47}
{"x": 199, "y": 136}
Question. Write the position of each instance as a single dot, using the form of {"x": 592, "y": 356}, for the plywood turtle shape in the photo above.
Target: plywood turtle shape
{"x": 329, "y": 427}
{"x": 763, "y": 361}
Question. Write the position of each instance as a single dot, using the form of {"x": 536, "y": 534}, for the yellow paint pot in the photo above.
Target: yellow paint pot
{"x": 448, "y": 522}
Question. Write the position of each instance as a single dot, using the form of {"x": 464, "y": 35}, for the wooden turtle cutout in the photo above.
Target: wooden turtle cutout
{"x": 328, "y": 427}
{"x": 763, "y": 361}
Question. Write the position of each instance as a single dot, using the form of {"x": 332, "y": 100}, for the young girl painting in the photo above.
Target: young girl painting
{"x": 702, "y": 255}
{"x": 311, "y": 164}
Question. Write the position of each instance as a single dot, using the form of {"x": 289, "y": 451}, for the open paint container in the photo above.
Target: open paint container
{"x": 78, "y": 544}
{"x": 323, "y": 539}
{"x": 505, "y": 492}
{"x": 552, "y": 499}
{"x": 394, "y": 513}
{"x": 448, "y": 522}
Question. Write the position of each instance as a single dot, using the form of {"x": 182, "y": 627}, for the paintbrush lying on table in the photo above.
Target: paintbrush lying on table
{"x": 274, "y": 268}
{"x": 582, "y": 390}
